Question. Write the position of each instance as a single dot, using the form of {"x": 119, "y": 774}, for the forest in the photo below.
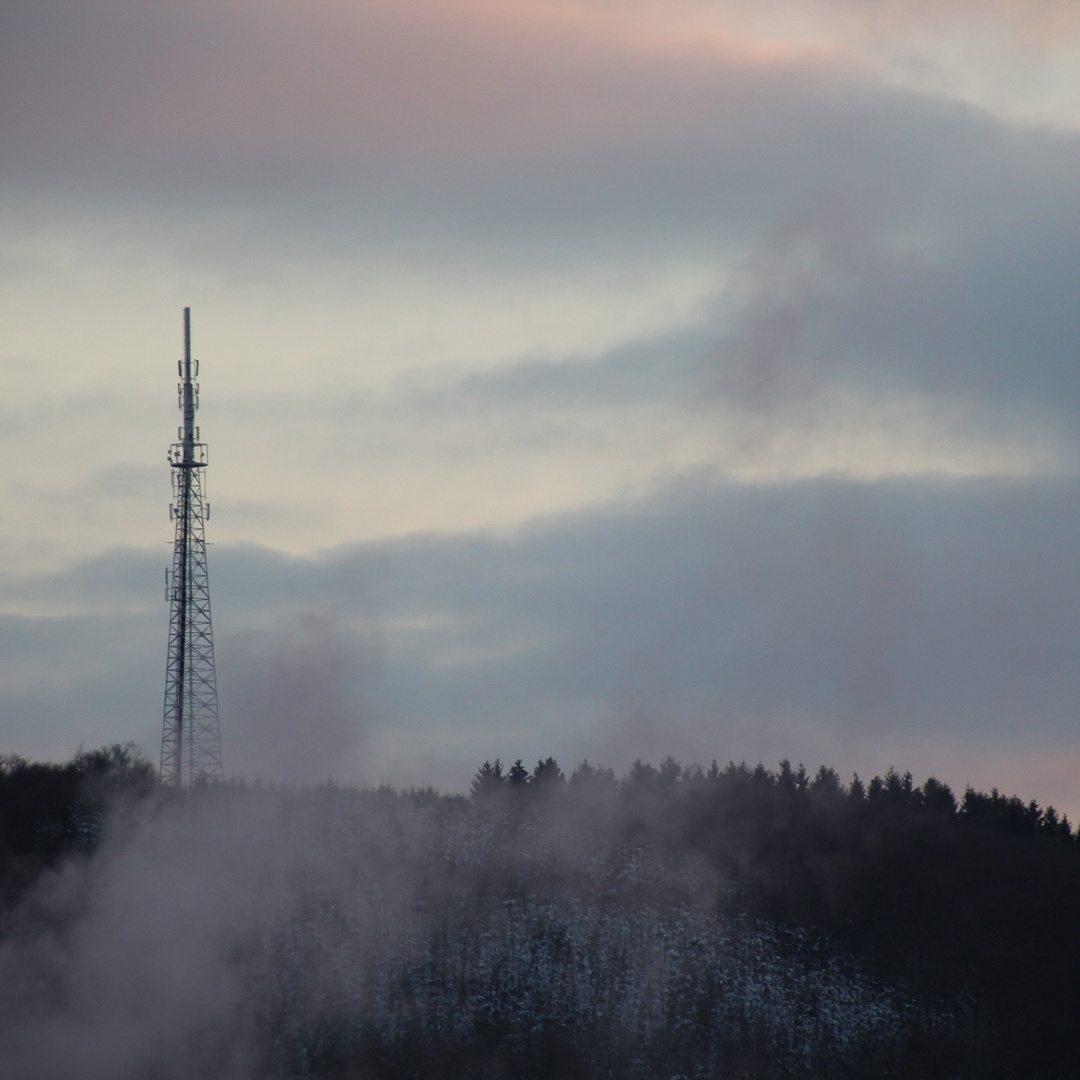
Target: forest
{"x": 675, "y": 922}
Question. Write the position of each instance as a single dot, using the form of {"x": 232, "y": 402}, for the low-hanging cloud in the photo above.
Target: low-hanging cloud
{"x": 857, "y": 624}
{"x": 724, "y": 621}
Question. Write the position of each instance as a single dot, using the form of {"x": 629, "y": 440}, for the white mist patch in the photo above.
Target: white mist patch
{"x": 243, "y": 934}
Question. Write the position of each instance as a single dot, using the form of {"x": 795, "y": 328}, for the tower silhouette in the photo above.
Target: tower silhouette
{"x": 190, "y": 736}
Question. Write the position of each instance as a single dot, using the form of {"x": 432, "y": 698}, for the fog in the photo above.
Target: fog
{"x": 295, "y": 709}
{"x": 251, "y": 933}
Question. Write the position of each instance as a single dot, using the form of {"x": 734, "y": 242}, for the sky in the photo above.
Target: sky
{"x": 586, "y": 378}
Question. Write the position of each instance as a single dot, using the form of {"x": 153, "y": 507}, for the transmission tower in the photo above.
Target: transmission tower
{"x": 190, "y": 736}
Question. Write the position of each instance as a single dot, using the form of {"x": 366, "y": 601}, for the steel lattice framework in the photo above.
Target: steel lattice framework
{"x": 191, "y": 735}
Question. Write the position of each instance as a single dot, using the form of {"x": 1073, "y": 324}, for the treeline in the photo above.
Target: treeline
{"x": 973, "y": 902}
{"x": 50, "y": 810}
{"x": 47, "y": 808}
{"x": 944, "y": 931}
{"x": 894, "y": 790}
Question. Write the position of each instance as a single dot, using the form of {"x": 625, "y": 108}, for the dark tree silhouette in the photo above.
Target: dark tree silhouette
{"x": 518, "y": 776}
{"x": 547, "y": 776}
{"x": 488, "y": 781}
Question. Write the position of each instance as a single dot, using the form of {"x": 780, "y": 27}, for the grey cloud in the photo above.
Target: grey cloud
{"x": 911, "y": 604}
{"x": 977, "y": 305}
{"x": 118, "y": 579}
{"x": 885, "y": 239}
{"x": 669, "y": 366}
{"x": 913, "y": 608}
{"x": 882, "y": 239}
{"x": 87, "y": 679}
{"x": 1037, "y": 24}
{"x": 699, "y": 622}
{"x": 521, "y": 394}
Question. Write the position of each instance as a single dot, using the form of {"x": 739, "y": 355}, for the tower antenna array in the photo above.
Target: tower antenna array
{"x": 190, "y": 736}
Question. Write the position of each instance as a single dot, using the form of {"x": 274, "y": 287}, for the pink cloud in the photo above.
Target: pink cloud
{"x": 422, "y": 82}
{"x": 353, "y": 82}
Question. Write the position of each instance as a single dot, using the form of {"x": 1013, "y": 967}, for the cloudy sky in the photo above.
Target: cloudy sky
{"x": 581, "y": 377}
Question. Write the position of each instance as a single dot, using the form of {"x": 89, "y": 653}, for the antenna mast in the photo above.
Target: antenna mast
{"x": 190, "y": 737}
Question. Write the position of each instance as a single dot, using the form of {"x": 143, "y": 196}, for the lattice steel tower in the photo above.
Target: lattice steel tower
{"x": 191, "y": 736}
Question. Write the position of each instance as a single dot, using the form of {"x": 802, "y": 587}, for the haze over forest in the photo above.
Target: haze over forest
{"x": 735, "y": 922}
